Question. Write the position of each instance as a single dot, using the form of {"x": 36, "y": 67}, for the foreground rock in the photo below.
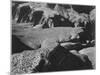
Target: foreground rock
{"x": 90, "y": 52}
{"x": 25, "y": 62}
{"x": 60, "y": 59}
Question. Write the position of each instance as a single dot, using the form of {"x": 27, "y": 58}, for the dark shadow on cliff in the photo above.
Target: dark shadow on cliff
{"x": 18, "y": 46}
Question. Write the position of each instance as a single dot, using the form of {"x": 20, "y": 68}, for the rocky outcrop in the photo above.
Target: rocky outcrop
{"x": 25, "y": 62}
{"x": 60, "y": 59}
{"x": 91, "y": 53}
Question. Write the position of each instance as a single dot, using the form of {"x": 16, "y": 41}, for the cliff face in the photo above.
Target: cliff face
{"x": 76, "y": 54}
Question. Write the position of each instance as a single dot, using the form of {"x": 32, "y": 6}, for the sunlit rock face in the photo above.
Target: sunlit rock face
{"x": 62, "y": 48}
{"x": 91, "y": 53}
{"x": 25, "y": 12}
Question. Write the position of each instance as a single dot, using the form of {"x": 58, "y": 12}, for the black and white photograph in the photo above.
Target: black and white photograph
{"x": 52, "y": 37}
